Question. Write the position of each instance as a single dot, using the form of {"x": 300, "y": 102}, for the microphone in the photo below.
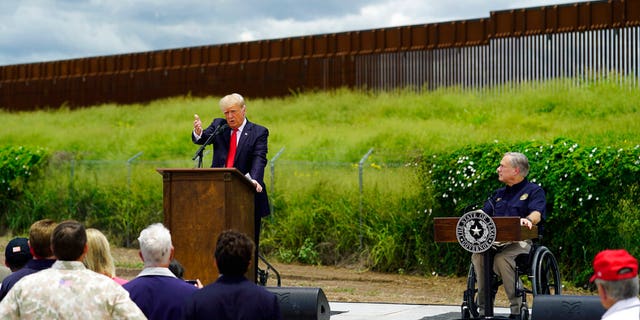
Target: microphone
{"x": 216, "y": 132}
{"x": 493, "y": 207}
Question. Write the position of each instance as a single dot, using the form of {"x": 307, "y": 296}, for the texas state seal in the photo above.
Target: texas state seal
{"x": 476, "y": 231}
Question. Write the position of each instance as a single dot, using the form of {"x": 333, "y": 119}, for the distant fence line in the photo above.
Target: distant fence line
{"x": 579, "y": 40}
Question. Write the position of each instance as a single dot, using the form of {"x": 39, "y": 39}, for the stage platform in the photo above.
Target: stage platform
{"x": 384, "y": 311}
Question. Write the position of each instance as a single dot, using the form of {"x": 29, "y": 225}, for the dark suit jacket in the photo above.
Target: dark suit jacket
{"x": 251, "y": 155}
{"x": 159, "y": 297}
{"x": 233, "y": 298}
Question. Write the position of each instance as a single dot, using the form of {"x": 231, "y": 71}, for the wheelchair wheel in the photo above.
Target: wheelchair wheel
{"x": 546, "y": 275}
{"x": 470, "y": 302}
{"x": 524, "y": 313}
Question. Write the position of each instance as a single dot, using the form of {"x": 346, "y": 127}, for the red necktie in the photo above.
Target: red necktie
{"x": 232, "y": 149}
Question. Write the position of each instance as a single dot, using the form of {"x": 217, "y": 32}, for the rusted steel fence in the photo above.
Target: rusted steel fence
{"x": 578, "y": 41}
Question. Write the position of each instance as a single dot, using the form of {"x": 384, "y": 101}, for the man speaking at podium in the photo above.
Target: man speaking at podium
{"x": 519, "y": 198}
{"x": 240, "y": 144}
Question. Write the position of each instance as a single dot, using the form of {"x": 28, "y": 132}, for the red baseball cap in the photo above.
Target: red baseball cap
{"x": 612, "y": 265}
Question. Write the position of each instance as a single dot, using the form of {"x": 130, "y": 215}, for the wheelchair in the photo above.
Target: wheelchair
{"x": 539, "y": 266}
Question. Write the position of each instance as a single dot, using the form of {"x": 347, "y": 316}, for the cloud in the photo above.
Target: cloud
{"x": 43, "y": 30}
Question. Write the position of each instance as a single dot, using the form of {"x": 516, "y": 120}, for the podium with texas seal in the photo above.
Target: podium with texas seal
{"x": 198, "y": 205}
{"x": 476, "y": 232}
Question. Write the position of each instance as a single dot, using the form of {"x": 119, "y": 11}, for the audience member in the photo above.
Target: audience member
{"x": 156, "y": 290}
{"x": 616, "y": 276}
{"x": 227, "y": 297}
{"x": 17, "y": 254}
{"x": 68, "y": 290}
{"x": 40, "y": 247}
{"x": 99, "y": 258}
{"x": 176, "y": 268}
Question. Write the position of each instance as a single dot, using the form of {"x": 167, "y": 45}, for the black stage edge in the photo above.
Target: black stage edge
{"x": 302, "y": 303}
{"x": 456, "y": 316}
{"x": 569, "y": 307}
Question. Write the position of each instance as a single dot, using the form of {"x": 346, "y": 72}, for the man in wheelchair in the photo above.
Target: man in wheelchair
{"x": 521, "y": 198}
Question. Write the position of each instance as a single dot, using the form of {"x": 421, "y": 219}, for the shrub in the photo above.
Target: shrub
{"x": 18, "y": 166}
{"x": 591, "y": 192}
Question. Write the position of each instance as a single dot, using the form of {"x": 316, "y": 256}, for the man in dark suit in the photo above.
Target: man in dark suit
{"x": 232, "y": 296}
{"x": 249, "y": 152}
{"x": 251, "y": 141}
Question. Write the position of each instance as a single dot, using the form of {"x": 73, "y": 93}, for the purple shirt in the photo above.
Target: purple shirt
{"x": 159, "y": 294}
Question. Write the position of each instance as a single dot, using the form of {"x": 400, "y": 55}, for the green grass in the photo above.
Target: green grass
{"x": 342, "y": 125}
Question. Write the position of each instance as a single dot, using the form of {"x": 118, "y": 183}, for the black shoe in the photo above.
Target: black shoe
{"x": 514, "y": 316}
{"x": 263, "y": 275}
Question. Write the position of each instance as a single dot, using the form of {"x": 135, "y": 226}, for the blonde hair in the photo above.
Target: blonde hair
{"x": 234, "y": 99}
{"x": 98, "y": 257}
{"x": 40, "y": 237}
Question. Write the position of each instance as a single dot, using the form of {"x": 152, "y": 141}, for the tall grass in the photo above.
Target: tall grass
{"x": 342, "y": 125}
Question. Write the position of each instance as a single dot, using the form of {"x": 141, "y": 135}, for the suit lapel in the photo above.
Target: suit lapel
{"x": 243, "y": 136}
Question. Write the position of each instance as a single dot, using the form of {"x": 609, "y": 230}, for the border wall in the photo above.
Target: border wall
{"x": 580, "y": 40}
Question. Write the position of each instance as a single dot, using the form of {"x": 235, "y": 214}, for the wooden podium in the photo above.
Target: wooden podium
{"x": 198, "y": 205}
{"x": 506, "y": 229}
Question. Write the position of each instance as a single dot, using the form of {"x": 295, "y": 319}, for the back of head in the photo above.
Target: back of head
{"x": 617, "y": 271}
{"x": 155, "y": 245}
{"x": 176, "y": 268}
{"x": 98, "y": 257}
{"x": 17, "y": 254}
{"x": 40, "y": 238}
{"x": 68, "y": 240}
{"x": 234, "y": 251}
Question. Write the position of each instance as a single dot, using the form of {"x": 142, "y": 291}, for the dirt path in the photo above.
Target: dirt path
{"x": 351, "y": 285}
{"x": 342, "y": 284}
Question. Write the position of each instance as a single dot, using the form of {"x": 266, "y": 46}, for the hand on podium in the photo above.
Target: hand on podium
{"x": 255, "y": 183}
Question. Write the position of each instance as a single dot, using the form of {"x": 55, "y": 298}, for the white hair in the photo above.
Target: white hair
{"x": 155, "y": 245}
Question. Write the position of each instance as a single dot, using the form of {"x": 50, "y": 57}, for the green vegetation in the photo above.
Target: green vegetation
{"x": 320, "y": 216}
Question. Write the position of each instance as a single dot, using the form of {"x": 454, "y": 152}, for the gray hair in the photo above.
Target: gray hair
{"x": 520, "y": 161}
{"x": 230, "y": 100}
{"x": 620, "y": 289}
{"x": 155, "y": 245}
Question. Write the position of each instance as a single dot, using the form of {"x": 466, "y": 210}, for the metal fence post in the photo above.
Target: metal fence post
{"x": 72, "y": 169}
{"x": 272, "y": 165}
{"x": 129, "y": 167}
{"x": 364, "y": 158}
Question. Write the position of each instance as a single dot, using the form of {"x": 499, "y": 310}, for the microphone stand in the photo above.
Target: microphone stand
{"x": 198, "y": 155}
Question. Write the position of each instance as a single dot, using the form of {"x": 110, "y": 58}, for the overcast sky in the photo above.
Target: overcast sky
{"x": 45, "y": 30}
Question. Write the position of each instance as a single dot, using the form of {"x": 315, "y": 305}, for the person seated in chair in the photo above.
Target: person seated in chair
{"x": 518, "y": 198}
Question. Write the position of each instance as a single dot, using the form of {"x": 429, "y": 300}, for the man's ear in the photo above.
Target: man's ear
{"x": 85, "y": 250}
{"x": 140, "y": 255}
{"x": 601, "y": 292}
